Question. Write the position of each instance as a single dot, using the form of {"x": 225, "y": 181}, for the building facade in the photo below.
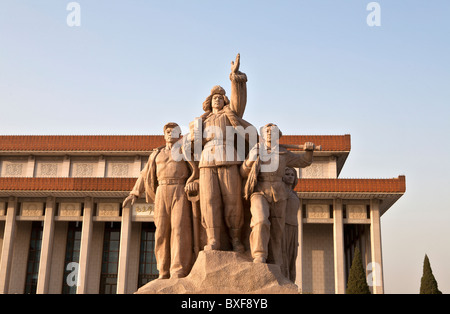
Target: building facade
{"x": 63, "y": 228}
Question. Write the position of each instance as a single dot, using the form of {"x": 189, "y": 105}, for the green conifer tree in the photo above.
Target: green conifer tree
{"x": 357, "y": 283}
{"x": 428, "y": 284}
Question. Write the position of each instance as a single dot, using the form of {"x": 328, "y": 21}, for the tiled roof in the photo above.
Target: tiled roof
{"x": 92, "y": 143}
{"x": 395, "y": 185}
{"x": 80, "y": 142}
{"x": 328, "y": 142}
{"x": 67, "y": 184}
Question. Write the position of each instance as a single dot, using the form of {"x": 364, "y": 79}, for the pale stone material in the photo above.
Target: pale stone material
{"x": 356, "y": 212}
{"x": 30, "y": 166}
{"x": 83, "y": 169}
{"x": 70, "y": 209}
{"x": 375, "y": 245}
{"x": 267, "y": 193}
{"x": 317, "y": 211}
{"x": 164, "y": 181}
{"x": 338, "y": 247}
{"x": 225, "y": 272}
{"x": 290, "y": 239}
{"x": 8, "y": 245}
{"x": 48, "y": 167}
{"x": 65, "y": 167}
{"x": 119, "y": 167}
{"x": 101, "y": 166}
{"x": 47, "y": 247}
{"x": 220, "y": 182}
{"x": 85, "y": 247}
{"x": 13, "y": 166}
{"x": 32, "y": 209}
{"x": 13, "y": 169}
{"x": 141, "y": 209}
{"x": 2, "y": 209}
{"x": 124, "y": 262}
{"x": 108, "y": 209}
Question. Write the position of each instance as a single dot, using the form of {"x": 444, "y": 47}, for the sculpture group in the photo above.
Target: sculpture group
{"x": 202, "y": 184}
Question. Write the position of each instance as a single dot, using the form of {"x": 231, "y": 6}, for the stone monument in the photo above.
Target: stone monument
{"x": 164, "y": 181}
{"x": 237, "y": 193}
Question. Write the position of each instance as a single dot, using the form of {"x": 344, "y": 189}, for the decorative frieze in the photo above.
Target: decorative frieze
{"x": 119, "y": 169}
{"x": 356, "y": 211}
{"x": 32, "y": 209}
{"x": 70, "y": 209}
{"x": 108, "y": 209}
{"x": 83, "y": 170}
{"x": 47, "y": 170}
{"x": 316, "y": 170}
{"x": 317, "y": 211}
{"x": 13, "y": 169}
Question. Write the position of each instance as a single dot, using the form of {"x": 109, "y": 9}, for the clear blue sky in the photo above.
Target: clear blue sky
{"x": 314, "y": 67}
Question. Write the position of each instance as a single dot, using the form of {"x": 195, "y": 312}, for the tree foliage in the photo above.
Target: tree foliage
{"x": 357, "y": 283}
{"x": 428, "y": 284}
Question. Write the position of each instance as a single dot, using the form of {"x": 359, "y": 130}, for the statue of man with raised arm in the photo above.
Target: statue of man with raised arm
{"x": 220, "y": 181}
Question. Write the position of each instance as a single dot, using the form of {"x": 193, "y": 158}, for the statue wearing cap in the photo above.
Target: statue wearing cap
{"x": 220, "y": 181}
{"x": 267, "y": 192}
{"x": 165, "y": 181}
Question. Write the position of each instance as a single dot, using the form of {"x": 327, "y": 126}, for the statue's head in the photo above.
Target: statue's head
{"x": 172, "y": 132}
{"x": 290, "y": 177}
{"x": 216, "y": 100}
{"x": 270, "y": 133}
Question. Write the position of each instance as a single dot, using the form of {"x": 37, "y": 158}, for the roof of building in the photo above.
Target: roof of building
{"x": 393, "y": 185}
{"x": 136, "y": 143}
{"x": 389, "y": 190}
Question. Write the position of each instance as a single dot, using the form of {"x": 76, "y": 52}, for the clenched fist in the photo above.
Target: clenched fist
{"x": 309, "y": 146}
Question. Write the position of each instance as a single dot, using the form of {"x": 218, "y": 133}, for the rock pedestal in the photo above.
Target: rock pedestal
{"x": 220, "y": 272}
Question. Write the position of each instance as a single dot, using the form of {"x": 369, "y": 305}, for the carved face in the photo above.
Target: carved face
{"x": 217, "y": 102}
{"x": 171, "y": 135}
{"x": 289, "y": 176}
{"x": 271, "y": 133}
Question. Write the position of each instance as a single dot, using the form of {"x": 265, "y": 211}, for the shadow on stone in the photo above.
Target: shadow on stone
{"x": 219, "y": 272}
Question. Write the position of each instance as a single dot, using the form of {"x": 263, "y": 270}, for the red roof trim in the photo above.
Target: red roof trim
{"x": 80, "y": 143}
{"x": 395, "y": 185}
{"x": 52, "y": 143}
{"x": 67, "y": 184}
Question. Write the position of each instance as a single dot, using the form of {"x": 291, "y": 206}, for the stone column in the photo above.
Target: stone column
{"x": 338, "y": 242}
{"x": 8, "y": 245}
{"x": 125, "y": 235}
{"x": 86, "y": 236}
{"x": 376, "y": 268}
{"x": 65, "y": 169}
{"x": 299, "y": 261}
{"x": 137, "y": 166}
{"x": 101, "y": 167}
{"x": 46, "y": 249}
{"x": 30, "y": 166}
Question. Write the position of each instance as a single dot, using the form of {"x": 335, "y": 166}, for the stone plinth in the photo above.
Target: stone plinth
{"x": 219, "y": 272}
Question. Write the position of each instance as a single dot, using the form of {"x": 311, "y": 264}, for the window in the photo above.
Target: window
{"x": 147, "y": 259}
{"x": 110, "y": 259}
{"x": 34, "y": 254}
{"x": 72, "y": 255}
